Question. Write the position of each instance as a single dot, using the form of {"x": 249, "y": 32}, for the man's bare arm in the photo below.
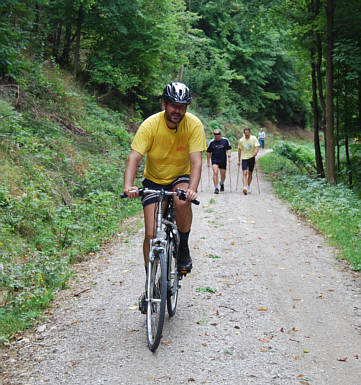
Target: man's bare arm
{"x": 134, "y": 159}
{"x": 196, "y": 169}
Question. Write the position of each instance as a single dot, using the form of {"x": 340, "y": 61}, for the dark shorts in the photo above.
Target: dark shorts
{"x": 152, "y": 198}
{"x": 222, "y": 165}
{"x": 248, "y": 164}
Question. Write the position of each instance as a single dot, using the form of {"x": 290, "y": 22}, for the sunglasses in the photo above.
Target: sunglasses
{"x": 216, "y": 133}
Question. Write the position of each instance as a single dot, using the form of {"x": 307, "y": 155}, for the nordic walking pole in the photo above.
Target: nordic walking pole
{"x": 259, "y": 191}
{"x": 237, "y": 178}
{"x": 209, "y": 185}
{"x": 201, "y": 183}
{"x": 230, "y": 179}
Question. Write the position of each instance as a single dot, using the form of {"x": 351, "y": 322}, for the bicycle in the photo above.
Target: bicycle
{"x": 163, "y": 276}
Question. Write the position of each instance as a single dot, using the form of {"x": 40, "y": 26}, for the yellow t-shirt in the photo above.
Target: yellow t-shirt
{"x": 248, "y": 146}
{"x": 167, "y": 151}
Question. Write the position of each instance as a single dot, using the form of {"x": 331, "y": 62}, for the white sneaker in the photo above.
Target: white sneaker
{"x": 248, "y": 190}
{"x": 244, "y": 190}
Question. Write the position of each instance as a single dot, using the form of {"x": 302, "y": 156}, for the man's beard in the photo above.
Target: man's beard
{"x": 174, "y": 117}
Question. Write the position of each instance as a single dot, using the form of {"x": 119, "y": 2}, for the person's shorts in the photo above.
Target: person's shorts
{"x": 152, "y": 198}
{"x": 222, "y": 165}
{"x": 248, "y": 164}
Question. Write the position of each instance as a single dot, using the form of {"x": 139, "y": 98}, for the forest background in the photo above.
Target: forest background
{"x": 78, "y": 76}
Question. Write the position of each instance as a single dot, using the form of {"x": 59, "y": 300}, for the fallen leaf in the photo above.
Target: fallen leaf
{"x": 342, "y": 359}
{"x": 263, "y": 339}
{"x": 132, "y": 330}
{"x": 262, "y": 309}
{"x": 133, "y": 307}
{"x": 304, "y": 382}
{"x": 191, "y": 379}
{"x": 214, "y": 324}
{"x": 356, "y": 356}
{"x": 297, "y": 299}
{"x": 204, "y": 345}
{"x": 165, "y": 342}
{"x": 305, "y": 351}
{"x": 237, "y": 327}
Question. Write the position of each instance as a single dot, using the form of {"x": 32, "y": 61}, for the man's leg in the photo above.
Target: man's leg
{"x": 223, "y": 177}
{"x": 148, "y": 211}
{"x": 215, "y": 169}
{"x": 251, "y": 165}
{"x": 149, "y": 232}
{"x": 184, "y": 217}
{"x": 245, "y": 181}
{"x": 250, "y": 173}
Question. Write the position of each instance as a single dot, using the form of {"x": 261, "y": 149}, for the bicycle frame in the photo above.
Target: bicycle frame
{"x": 162, "y": 290}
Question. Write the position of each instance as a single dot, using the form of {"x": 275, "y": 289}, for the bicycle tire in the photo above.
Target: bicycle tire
{"x": 157, "y": 301}
{"x": 173, "y": 278}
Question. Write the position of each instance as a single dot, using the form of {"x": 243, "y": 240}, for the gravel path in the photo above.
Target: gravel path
{"x": 285, "y": 312}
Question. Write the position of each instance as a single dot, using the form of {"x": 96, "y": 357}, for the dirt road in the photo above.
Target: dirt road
{"x": 284, "y": 311}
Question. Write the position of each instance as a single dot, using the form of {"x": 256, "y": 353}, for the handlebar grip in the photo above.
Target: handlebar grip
{"x": 140, "y": 192}
{"x": 182, "y": 197}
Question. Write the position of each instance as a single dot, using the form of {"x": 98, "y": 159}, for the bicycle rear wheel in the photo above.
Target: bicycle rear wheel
{"x": 172, "y": 293}
{"x": 156, "y": 301}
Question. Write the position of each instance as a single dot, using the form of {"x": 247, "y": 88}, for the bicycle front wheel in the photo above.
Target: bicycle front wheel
{"x": 172, "y": 294}
{"x": 157, "y": 298}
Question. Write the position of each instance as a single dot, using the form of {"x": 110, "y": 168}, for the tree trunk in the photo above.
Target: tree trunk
{"x": 347, "y": 120}
{"x": 316, "y": 120}
{"x": 181, "y": 72}
{"x": 65, "y": 59}
{"x": 319, "y": 80}
{"x": 330, "y": 140}
{"x": 57, "y": 41}
{"x": 359, "y": 105}
{"x": 338, "y": 126}
{"x": 77, "y": 40}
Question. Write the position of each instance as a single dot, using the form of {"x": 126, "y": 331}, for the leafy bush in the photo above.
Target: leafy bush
{"x": 301, "y": 156}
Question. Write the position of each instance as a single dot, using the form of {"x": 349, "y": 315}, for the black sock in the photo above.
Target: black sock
{"x": 183, "y": 239}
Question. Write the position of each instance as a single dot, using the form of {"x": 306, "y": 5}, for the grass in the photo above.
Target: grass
{"x": 207, "y": 289}
{"x": 334, "y": 210}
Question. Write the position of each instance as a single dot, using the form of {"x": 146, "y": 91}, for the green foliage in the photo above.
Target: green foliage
{"x": 207, "y": 289}
{"x": 61, "y": 160}
{"x": 300, "y": 155}
{"x": 333, "y": 210}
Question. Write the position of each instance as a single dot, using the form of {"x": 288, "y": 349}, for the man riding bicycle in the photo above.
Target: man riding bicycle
{"x": 173, "y": 141}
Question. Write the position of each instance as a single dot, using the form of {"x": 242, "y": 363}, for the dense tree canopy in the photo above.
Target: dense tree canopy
{"x": 259, "y": 59}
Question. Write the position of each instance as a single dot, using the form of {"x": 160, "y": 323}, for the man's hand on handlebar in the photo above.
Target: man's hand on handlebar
{"x": 191, "y": 194}
{"x": 131, "y": 192}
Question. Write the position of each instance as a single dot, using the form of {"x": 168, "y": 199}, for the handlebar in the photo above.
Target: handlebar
{"x": 178, "y": 192}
